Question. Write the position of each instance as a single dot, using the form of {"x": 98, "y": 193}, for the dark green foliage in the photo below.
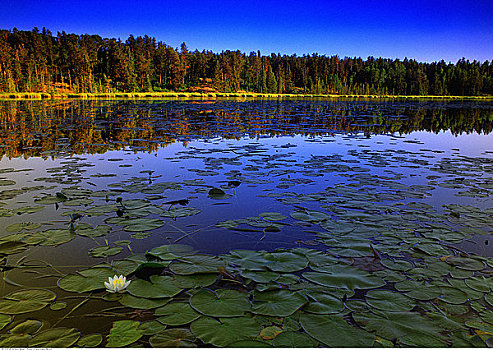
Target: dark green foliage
{"x": 34, "y": 61}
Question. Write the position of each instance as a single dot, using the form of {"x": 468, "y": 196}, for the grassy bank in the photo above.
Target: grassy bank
{"x": 208, "y": 96}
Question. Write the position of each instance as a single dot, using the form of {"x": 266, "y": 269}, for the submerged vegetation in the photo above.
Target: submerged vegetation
{"x": 34, "y": 61}
{"x": 245, "y": 224}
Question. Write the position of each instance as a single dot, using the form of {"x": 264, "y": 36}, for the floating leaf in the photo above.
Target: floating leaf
{"x": 27, "y": 327}
{"x": 142, "y": 224}
{"x": 55, "y": 338}
{"x": 194, "y": 281}
{"x": 50, "y": 237}
{"x": 224, "y": 331}
{"x": 279, "y": 303}
{"x": 221, "y": 303}
{"x": 173, "y": 338}
{"x": 389, "y": 301}
{"x": 394, "y": 325}
{"x": 4, "y": 320}
{"x": 294, "y": 340}
{"x": 151, "y": 327}
{"x": 158, "y": 287}
{"x": 323, "y": 304}
{"x": 271, "y": 332}
{"x": 90, "y": 341}
{"x": 124, "y": 333}
{"x": 171, "y": 251}
{"x": 217, "y": 193}
{"x": 334, "y": 331}
{"x": 189, "y": 265}
{"x": 142, "y": 303}
{"x": 26, "y": 301}
{"x": 285, "y": 261}
{"x": 86, "y": 280}
{"x": 104, "y": 251}
{"x": 176, "y": 314}
{"x": 181, "y": 212}
{"x": 465, "y": 263}
{"x": 58, "y": 306}
{"x": 12, "y": 247}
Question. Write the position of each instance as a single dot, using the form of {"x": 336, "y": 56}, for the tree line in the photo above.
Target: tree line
{"x": 38, "y": 61}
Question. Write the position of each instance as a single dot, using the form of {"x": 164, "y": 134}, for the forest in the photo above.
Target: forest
{"x": 38, "y": 61}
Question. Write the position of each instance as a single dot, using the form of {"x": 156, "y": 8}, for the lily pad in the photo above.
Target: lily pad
{"x": 104, "y": 251}
{"x": 194, "y": 281}
{"x": 151, "y": 327}
{"x": 158, "y": 287}
{"x": 50, "y": 237}
{"x": 27, "y": 327}
{"x": 344, "y": 277}
{"x": 142, "y": 224}
{"x": 221, "y": 303}
{"x": 334, "y": 331}
{"x": 55, "y": 338}
{"x": 173, "y": 338}
{"x": 124, "y": 333}
{"x": 279, "y": 303}
{"x": 225, "y": 331}
{"x": 323, "y": 304}
{"x": 389, "y": 301}
{"x": 142, "y": 303}
{"x": 86, "y": 280}
{"x": 285, "y": 261}
{"x": 24, "y": 301}
{"x": 90, "y": 341}
{"x": 465, "y": 263}
{"x": 180, "y": 212}
{"x": 171, "y": 251}
{"x": 176, "y": 314}
{"x": 189, "y": 265}
{"x": 294, "y": 340}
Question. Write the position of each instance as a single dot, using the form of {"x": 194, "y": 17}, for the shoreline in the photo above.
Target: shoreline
{"x": 196, "y": 95}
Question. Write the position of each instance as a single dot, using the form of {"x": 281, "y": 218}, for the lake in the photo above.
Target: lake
{"x": 246, "y": 223}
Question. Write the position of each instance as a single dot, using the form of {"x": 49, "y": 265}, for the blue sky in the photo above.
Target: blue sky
{"x": 422, "y": 30}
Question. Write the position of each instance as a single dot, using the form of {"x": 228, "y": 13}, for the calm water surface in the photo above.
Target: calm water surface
{"x": 334, "y": 176}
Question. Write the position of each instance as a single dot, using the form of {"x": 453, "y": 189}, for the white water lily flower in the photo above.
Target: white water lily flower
{"x": 116, "y": 284}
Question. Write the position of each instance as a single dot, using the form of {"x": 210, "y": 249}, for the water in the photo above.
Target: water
{"x": 339, "y": 176}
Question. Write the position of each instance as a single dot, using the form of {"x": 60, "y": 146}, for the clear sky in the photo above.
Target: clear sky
{"x": 422, "y": 30}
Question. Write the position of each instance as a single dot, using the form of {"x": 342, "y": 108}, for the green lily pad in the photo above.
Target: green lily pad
{"x": 189, "y": 265}
{"x": 98, "y": 231}
{"x": 158, "y": 287}
{"x": 142, "y": 224}
{"x": 294, "y": 340}
{"x": 124, "y": 333}
{"x": 323, "y": 304}
{"x": 334, "y": 331}
{"x": 394, "y": 325}
{"x": 389, "y": 301}
{"x": 312, "y": 216}
{"x": 15, "y": 340}
{"x": 279, "y": 303}
{"x": 221, "y": 303}
{"x": 465, "y": 263}
{"x": 12, "y": 247}
{"x": 50, "y": 237}
{"x": 55, "y": 338}
{"x": 344, "y": 277}
{"x": 217, "y": 193}
{"x": 273, "y": 216}
{"x": 225, "y": 331}
{"x": 480, "y": 283}
{"x": 22, "y": 226}
{"x": 26, "y": 301}
{"x": 104, "y": 251}
{"x": 176, "y": 314}
{"x": 248, "y": 259}
{"x": 151, "y": 327}
{"x": 181, "y": 212}
{"x": 86, "y": 280}
{"x": 285, "y": 261}
{"x": 195, "y": 281}
{"x": 260, "y": 276}
{"x": 58, "y": 306}
{"x": 171, "y": 251}
{"x": 4, "y": 320}
{"x": 142, "y": 303}
{"x": 90, "y": 341}
{"x": 173, "y": 338}
{"x": 27, "y": 327}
